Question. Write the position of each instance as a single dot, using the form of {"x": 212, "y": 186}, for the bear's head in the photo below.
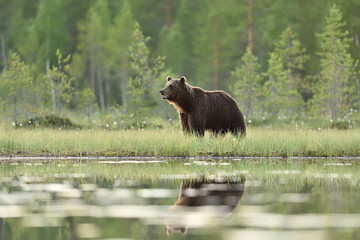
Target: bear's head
{"x": 174, "y": 89}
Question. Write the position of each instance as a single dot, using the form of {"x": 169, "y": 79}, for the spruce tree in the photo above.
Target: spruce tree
{"x": 332, "y": 93}
{"x": 120, "y": 36}
{"x": 293, "y": 58}
{"x": 275, "y": 96}
{"x": 91, "y": 48}
{"x": 247, "y": 84}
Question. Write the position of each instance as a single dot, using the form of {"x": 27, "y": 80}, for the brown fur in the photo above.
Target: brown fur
{"x": 201, "y": 110}
{"x": 205, "y": 192}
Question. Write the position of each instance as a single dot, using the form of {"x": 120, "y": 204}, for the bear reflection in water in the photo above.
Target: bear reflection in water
{"x": 203, "y": 199}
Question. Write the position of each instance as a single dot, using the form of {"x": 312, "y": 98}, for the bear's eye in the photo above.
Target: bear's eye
{"x": 170, "y": 86}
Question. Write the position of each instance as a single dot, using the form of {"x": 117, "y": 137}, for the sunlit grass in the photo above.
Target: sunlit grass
{"x": 171, "y": 142}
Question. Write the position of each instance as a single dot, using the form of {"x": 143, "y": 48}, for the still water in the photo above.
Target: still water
{"x": 172, "y": 199}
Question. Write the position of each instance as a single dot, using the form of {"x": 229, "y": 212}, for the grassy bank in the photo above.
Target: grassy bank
{"x": 280, "y": 142}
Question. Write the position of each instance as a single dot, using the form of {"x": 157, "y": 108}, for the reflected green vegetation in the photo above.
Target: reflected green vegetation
{"x": 128, "y": 199}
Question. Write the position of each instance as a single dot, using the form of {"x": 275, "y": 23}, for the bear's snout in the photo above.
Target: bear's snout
{"x": 162, "y": 93}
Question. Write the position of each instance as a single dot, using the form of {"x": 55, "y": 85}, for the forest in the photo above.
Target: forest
{"x": 278, "y": 59}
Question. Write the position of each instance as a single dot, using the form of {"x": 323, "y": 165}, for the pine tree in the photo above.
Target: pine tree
{"x": 218, "y": 41}
{"x": 337, "y": 68}
{"x": 176, "y": 40}
{"x": 63, "y": 82}
{"x": 146, "y": 71}
{"x": 247, "y": 83}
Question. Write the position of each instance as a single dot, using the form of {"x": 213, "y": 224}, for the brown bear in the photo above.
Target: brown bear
{"x": 201, "y": 110}
{"x": 221, "y": 196}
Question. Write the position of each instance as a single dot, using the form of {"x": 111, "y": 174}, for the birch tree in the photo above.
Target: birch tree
{"x": 17, "y": 81}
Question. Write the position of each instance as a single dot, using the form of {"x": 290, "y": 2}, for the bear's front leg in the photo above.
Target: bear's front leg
{"x": 184, "y": 123}
{"x": 197, "y": 126}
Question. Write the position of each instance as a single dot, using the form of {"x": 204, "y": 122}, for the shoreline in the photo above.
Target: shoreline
{"x": 154, "y": 159}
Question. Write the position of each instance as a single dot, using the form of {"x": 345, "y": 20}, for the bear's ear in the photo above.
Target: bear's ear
{"x": 168, "y": 78}
{"x": 183, "y": 79}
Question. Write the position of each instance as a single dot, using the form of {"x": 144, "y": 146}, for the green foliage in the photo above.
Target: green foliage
{"x": 285, "y": 81}
{"x": 91, "y": 48}
{"x": 87, "y": 103}
{"x": 145, "y": 70}
{"x": 276, "y": 99}
{"x": 50, "y": 26}
{"x": 119, "y": 37}
{"x": 332, "y": 96}
{"x": 293, "y": 58}
{"x": 247, "y": 83}
{"x": 216, "y": 42}
{"x": 17, "y": 81}
{"x": 63, "y": 83}
{"x": 177, "y": 40}
{"x": 202, "y": 40}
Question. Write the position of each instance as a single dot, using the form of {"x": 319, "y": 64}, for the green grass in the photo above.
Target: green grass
{"x": 171, "y": 142}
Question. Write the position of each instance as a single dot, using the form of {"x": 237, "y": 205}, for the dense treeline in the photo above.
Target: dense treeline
{"x": 280, "y": 58}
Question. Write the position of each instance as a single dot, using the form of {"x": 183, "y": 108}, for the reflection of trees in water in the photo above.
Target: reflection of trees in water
{"x": 225, "y": 192}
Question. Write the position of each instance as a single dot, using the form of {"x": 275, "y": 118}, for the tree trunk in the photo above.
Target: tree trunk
{"x": 333, "y": 94}
{"x": 3, "y": 53}
{"x": 15, "y": 111}
{"x": 89, "y": 114}
{"x": 52, "y": 85}
{"x": 100, "y": 89}
{"x": 25, "y": 103}
{"x": 215, "y": 53}
{"x": 291, "y": 84}
{"x": 123, "y": 82}
{"x": 92, "y": 69}
{"x": 358, "y": 90}
{"x": 168, "y": 13}
{"x": 59, "y": 104}
{"x": 250, "y": 30}
{"x": 215, "y": 56}
{"x": 216, "y": 66}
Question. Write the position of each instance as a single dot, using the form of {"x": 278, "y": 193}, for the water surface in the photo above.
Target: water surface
{"x": 179, "y": 199}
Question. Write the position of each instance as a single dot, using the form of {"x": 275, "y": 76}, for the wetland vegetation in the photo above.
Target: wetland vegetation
{"x": 170, "y": 142}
